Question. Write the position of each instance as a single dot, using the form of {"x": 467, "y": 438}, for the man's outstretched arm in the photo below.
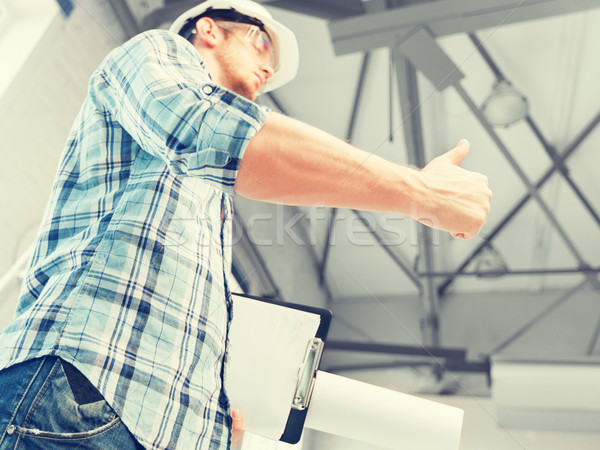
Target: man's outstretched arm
{"x": 290, "y": 162}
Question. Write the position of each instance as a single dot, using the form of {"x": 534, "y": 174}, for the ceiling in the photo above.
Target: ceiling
{"x": 403, "y": 80}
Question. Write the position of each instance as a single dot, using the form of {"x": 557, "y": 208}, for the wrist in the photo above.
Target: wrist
{"x": 413, "y": 191}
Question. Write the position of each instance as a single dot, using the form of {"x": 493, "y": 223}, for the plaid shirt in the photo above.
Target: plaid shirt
{"x": 128, "y": 278}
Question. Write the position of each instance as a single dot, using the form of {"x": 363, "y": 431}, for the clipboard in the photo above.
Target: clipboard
{"x": 304, "y": 359}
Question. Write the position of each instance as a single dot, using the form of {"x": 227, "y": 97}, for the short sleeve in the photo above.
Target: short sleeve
{"x": 157, "y": 88}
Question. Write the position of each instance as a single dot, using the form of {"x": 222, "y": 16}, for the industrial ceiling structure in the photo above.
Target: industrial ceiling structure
{"x": 405, "y": 80}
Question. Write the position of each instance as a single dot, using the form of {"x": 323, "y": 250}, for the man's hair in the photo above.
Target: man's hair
{"x": 228, "y": 15}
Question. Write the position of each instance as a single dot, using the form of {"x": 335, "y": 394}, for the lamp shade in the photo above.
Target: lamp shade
{"x": 505, "y": 105}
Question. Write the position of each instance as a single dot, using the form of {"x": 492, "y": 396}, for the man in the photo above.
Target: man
{"x": 120, "y": 333}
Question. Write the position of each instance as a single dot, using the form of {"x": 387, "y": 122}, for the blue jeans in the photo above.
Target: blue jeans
{"x": 39, "y": 410}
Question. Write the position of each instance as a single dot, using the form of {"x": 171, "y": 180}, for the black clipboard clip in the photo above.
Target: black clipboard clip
{"x": 307, "y": 374}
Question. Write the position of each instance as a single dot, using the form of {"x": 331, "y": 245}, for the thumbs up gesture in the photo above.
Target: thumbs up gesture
{"x": 456, "y": 200}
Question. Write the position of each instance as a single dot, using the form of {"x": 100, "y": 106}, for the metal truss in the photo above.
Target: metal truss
{"x": 560, "y": 159}
{"x": 408, "y": 89}
{"x": 558, "y": 165}
{"x": 443, "y": 358}
{"x": 406, "y": 75}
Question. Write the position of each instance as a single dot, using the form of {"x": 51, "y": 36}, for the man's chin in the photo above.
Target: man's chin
{"x": 250, "y": 95}
{"x": 245, "y": 92}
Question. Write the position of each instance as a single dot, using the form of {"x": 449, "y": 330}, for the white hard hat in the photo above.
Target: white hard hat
{"x": 285, "y": 47}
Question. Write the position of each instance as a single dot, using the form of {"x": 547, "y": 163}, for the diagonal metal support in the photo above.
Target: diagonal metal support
{"x": 594, "y": 340}
{"x": 391, "y": 123}
{"x": 360, "y": 87}
{"x": 312, "y": 252}
{"x": 563, "y": 169}
{"x": 521, "y": 331}
{"x": 349, "y": 134}
{"x": 323, "y": 264}
{"x": 398, "y": 258}
{"x": 533, "y": 190}
{"x": 491, "y": 235}
{"x": 276, "y": 103}
{"x": 549, "y": 149}
{"x": 247, "y": 246}
{"x": 413, "y": 133}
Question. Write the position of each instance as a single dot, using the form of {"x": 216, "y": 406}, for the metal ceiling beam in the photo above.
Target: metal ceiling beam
{"x": 444, "y": 359}
{"x": 167, "y": 13}
{"x": 406, "y": 80}
{"x": 549, "y": 149}
{"x": 421, "y": 49}
{"x": 501, "y": 273}
{"x": 442, "y": 17}
{"x": 408, "y": 90}
{"x": 570, "y": 149}
{"x": 323, "y": 9}
{"x": 451, "y": 365}
{"x": 125, "y": 16}
{"x": 393, "y": 349}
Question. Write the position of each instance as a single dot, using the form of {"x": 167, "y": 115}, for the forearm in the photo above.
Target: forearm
{"x": 293, "y": 163}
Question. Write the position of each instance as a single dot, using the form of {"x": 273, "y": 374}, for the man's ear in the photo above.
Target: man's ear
{"x": 206, "y": 31}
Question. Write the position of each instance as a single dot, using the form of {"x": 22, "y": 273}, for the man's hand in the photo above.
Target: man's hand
{"x": 237, "y": 426}
{"x": 458, "y": 200}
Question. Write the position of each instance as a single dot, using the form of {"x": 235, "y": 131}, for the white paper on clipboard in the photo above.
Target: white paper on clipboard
{"x": 267, "y": 344}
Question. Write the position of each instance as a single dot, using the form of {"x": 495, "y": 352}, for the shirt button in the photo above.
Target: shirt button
{"x": 207, "y": 89}
{"x": 10, "y": 430}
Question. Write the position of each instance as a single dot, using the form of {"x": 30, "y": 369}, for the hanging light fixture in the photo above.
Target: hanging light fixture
{"x": 490, "y": 263}
{"x": 505, "y": 105}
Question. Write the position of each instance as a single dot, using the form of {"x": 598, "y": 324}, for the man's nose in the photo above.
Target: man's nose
{"x": 267, "y": 70}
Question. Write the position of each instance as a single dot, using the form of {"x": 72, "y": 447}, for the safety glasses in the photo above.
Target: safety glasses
{"x": 258, "y": 38}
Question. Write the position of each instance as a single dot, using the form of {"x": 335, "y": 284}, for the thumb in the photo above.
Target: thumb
{"x": 458, "y": 153}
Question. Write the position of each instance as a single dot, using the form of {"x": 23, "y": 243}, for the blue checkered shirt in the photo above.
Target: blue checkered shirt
{"x": 128, "y": 280}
